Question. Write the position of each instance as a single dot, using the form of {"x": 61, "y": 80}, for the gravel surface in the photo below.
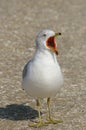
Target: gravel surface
{"x": 19, "y": 23}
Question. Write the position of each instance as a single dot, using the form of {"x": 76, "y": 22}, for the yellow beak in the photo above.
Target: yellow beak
{"x": 57, "y": 34}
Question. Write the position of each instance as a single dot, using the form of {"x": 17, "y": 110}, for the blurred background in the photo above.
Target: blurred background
{"x": 20, "y": 21}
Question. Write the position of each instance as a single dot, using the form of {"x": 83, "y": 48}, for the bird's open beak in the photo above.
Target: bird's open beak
{"x": 51, "y": 44}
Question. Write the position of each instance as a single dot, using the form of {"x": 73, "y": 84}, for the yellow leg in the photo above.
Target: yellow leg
{"x": 50, "y": 119}
{"x": 40, "y": 122}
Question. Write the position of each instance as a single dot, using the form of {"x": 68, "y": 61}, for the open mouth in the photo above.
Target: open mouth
{"x": 51, "y": 44}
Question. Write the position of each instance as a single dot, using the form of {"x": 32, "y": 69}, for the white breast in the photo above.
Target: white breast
{"x": 44, "y": 77}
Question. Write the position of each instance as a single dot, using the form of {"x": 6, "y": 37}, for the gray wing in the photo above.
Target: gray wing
{"x": 25, "y": 70}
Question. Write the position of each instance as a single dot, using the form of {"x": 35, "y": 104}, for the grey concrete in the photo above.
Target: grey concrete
{"x": 19, "y": 23}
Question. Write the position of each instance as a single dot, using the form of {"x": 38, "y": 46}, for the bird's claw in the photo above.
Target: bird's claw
{"x": 53, "y": 121}
{"x": 38, "y": 124}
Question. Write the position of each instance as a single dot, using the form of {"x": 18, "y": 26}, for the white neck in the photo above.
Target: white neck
{"x": 45, "y": 55}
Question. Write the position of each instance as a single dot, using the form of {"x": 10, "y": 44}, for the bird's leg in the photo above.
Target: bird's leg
{"x": 40, "y": 122}
{"x": 50, "y": 119}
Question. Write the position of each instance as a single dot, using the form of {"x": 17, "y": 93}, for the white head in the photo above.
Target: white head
{"x": 46, "y": 40}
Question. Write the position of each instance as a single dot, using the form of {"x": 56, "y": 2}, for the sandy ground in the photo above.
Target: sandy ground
{"x": 19, "y": 23}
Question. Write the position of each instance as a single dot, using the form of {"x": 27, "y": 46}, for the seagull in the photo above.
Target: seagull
{"x": 42, "y": 76}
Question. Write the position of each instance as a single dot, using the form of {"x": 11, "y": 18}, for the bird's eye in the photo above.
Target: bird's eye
{"x": 44, "y": 35}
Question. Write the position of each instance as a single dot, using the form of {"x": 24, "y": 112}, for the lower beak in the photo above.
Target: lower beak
{"x": 56, "y": 51}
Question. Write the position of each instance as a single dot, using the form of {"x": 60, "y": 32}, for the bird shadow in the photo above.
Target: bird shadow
{"x": 18, "y": 112}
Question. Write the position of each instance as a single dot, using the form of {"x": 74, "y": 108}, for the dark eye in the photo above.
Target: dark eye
{"x": 44, "y": 35}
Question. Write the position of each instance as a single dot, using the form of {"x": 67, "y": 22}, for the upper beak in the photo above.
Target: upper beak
{"x": 57, "y": 34}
